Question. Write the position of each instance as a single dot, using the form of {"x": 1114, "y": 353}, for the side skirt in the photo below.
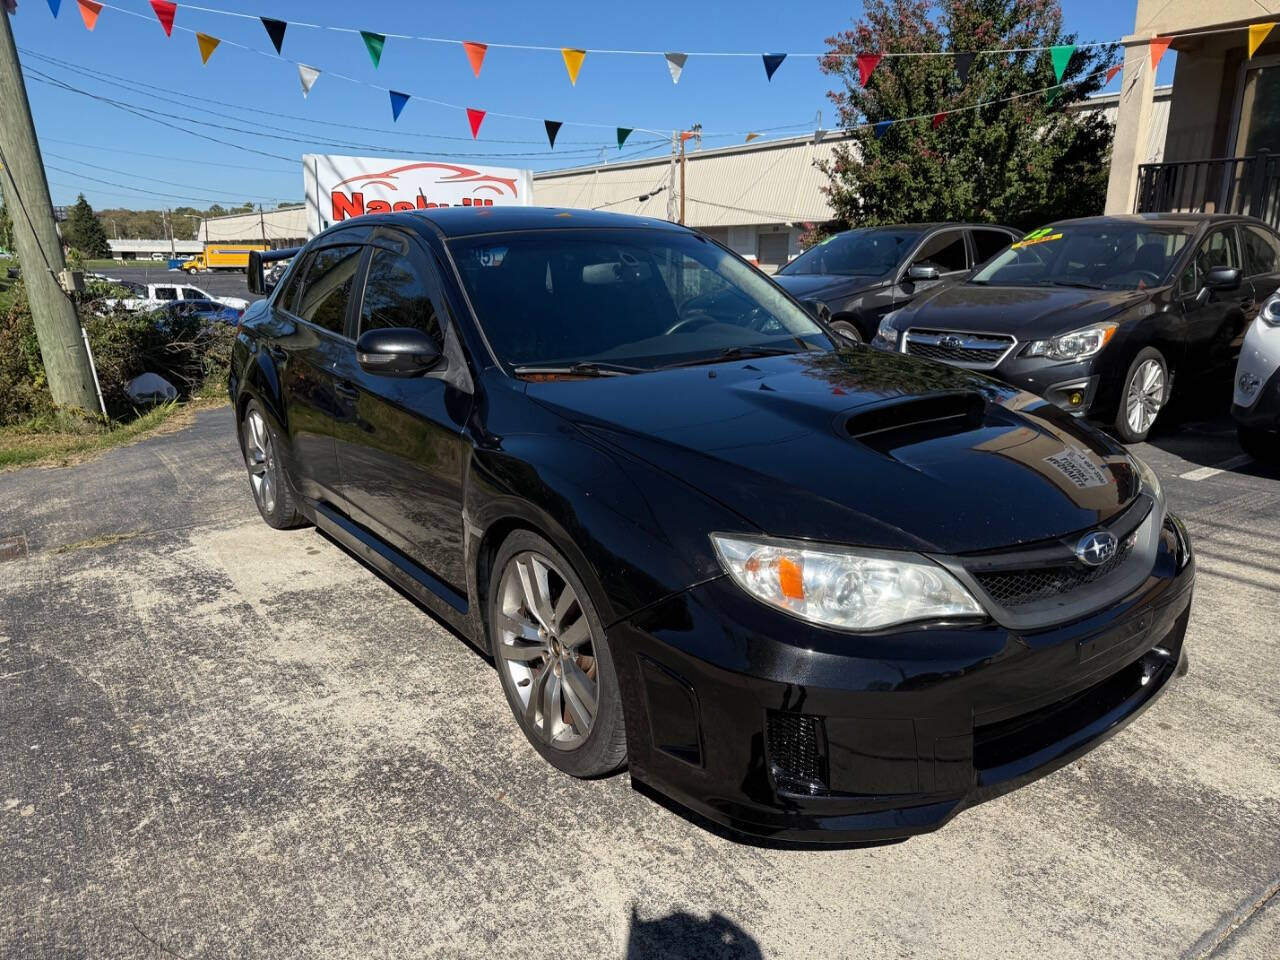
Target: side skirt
{"x": 439, "y": 597}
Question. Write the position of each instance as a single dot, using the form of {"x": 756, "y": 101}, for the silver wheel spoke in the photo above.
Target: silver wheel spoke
{"x": 550, "y": 704}
{"x": 523, "y": 652}
{"x": 580, "y": 695}
{"x": 522, "y": 630}
{"x": 534, "y": 603}
{"x": 576, "y": 634}
{"x": 568, "y": 599}
{"x": 535, "y": 696}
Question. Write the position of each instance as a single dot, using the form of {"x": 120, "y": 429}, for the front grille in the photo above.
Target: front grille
{"x": 985, "y": 349}
{"x": 796, "y": 751}
{"x": 1020, "y": 587}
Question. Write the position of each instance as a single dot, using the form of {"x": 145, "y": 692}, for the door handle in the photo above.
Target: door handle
{"x": 347, "y": 390}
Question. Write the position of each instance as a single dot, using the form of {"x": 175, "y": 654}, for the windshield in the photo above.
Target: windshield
{"x": 1104, "y": 256}
{"x": 632, "y": 299}
{"x": 872, "y": 252}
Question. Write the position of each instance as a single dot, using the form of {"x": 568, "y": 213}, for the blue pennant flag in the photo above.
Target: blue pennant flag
{"x": 772, "y": 61}
{"x": 882, "y": 128}
{"x": 54, "y": 5}
{"x": 398, "y": 100}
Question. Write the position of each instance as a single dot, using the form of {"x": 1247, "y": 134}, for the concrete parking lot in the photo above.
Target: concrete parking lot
{"x": 218, "y": 740}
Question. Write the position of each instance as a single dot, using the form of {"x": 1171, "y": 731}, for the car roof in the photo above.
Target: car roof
{"x": 450, "y": 222}
{"x": 1178, "y": 219}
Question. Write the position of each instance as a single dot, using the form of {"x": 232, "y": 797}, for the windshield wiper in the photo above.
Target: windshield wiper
{"x": 733, "y": 353}
{"x": 1082, "y": 284}
{"x": 583, "y": 368}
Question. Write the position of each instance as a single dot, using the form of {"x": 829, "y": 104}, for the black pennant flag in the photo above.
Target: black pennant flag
{"x": 963, "y": 62}
{"x": 553, "y": 127}
{"x": 275, "y": 30}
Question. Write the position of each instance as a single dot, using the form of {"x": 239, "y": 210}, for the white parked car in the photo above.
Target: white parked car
{"x": 158, "y": 294}
{"x": 1256, "y": 403}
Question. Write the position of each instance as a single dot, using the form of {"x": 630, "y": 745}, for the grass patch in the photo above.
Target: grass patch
{"x": 93, "y": 543}
{"x": 6, "y": 285}
{"x": 55, "y": 442}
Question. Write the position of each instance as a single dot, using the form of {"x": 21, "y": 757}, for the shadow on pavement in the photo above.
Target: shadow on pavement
{"x": 681, "y": 934}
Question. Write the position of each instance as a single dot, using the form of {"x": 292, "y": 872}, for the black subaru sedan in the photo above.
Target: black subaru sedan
{"x": 808, "y": 590}
{"x": 1102, "y": 315}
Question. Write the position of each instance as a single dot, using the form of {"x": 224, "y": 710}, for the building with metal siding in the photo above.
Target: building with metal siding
{"x": 280, "y": 228}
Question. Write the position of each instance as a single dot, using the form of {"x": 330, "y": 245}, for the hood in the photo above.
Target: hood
{"x": 1027, "y": 313}
{"x": 860, "y": 447}
{"x": 821, "y": 286}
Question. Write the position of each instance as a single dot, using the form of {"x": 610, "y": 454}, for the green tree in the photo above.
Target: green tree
{"x": 6, "y": 229}
{"x": 84, "y": 232}
{"x": 1019, "y": 158}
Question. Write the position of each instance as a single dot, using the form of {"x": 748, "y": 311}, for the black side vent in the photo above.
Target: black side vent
{"x": 797, "y": 752}
{"x": 897, "y": 423}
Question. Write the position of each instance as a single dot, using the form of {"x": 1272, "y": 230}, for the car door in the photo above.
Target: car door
{"x": 946, "y": 251}
{"x": 401, "y": 441}
{"x": 1213, "y": 318}
{"x": 310, "y": 334}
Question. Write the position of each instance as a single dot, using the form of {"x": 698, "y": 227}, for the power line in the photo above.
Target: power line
{"x": 155, "y": 193}
{"x": 159, "y": 156}
{"x": 127, "y": 173}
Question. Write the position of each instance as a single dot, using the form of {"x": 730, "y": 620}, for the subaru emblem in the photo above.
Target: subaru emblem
{"x": 951, "y": 342}
{"x": 1096, "y": 548}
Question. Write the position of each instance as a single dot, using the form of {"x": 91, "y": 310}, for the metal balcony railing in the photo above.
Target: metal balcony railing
{"x": 1242, "y": 185}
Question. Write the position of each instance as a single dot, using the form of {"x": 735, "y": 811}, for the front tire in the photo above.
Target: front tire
{"x": 1262, "y": 445}
{"x": 267, "y": 479}
{"x": 847, "y": 330}
{"x": 553, "y": 659}
{"x": 1143, "y": 396}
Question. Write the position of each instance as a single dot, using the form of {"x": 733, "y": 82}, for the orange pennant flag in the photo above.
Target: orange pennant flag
{"x": 89, "y": 13}
{"x": 572, "y": 62}
{"x": 1158, "y": 47}
{"x": 208, "y": 44}
{"x": 1257, "y": 33}
{"x": 751, "y": 136}
{"x": 475, "y": 53}
{"x": 1111, "y": 73}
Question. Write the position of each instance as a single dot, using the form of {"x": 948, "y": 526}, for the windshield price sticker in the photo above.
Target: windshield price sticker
{"x": 1043, "y": 235}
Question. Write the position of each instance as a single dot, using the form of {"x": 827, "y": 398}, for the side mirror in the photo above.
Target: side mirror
{"x": 1223, "y": 278}
{"x": 397, "y": 352}
{"x": 919, "y": 272}
{"x": 254, "y": 279}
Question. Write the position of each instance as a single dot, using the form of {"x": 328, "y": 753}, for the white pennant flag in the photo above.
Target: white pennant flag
{"x": 675, "y": 63}
{"x": 308, "y": 77}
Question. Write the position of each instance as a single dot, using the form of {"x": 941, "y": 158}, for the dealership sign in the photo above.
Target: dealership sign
{"x": 338, "y": 188}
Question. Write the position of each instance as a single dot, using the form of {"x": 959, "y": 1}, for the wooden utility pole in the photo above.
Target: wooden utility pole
{"x": 685, "y": 137}
{"x": 35, "y": 238}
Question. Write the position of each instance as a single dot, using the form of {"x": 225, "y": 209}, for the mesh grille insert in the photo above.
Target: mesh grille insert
{"x": 795, "y": 750}
{"x": 1028, "y": 586}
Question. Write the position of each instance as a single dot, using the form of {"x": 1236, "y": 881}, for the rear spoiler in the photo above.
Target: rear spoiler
{"x": 257, "y": 284}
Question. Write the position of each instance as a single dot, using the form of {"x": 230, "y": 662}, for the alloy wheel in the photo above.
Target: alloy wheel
{"x": 1145, "y": 396}
{"x": 546, "y": 651}
{"x": 259, "y": 456}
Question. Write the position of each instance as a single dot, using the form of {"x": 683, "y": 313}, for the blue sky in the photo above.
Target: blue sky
{"x": 729, "y": 96}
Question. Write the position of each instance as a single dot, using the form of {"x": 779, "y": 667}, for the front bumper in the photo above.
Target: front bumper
{"x": 1264, "y": 412}
{"x": 777, "y": 729}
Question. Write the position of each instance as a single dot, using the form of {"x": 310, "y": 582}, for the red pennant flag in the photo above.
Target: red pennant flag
{"x": 937, "y": 120}
{"x": 1111, "y": 73}
{"x": 164, "y": 13}
{"x": 1158, "y": 47}
{"x": 866, "y": 64}
{"x": 475, "y": 118}
{"x": 475, "y": 53}
{"x": 89, "y": 13}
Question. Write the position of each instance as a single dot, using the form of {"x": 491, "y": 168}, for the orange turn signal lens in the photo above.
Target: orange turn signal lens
{"x": 791, "y": 578}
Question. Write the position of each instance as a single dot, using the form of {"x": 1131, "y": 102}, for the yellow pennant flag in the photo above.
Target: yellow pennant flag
{"x": 208, "y": 44}
{"x": 572, "y": 62}
{"x": 1257, "y": 33}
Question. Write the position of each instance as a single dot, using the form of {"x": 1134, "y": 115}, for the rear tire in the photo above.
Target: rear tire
{"x": 267, "y": 478}
{"x": 1143, "y": 395}
{"x": 1262, "y": 445}
{"x": 553, "y": 660}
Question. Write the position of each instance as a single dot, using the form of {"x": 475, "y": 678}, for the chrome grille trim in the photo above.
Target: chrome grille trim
{"x": 975, "y": 351}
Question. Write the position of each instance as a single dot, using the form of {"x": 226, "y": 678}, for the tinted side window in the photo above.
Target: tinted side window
{"x": 945, "y": 251}
{"x": 289, "y": 295}
{"x": 1263, "y": 249}
{"x": 398, "y": 294}
{"x": 166, "y": 293}
{"x": 327, "y": 288}
{"x": 191, "y": 293}
{"x": 987, "y": 243}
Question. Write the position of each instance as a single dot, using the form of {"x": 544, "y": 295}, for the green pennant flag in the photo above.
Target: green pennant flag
{"x": 1052, "y": 95}
{"x": 1061, "y": 57}
{"x": 373, "y": 42}
{"x": 623, "y": 133}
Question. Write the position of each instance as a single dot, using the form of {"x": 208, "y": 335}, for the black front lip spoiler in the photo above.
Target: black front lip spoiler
{"x": 811, "y": 830}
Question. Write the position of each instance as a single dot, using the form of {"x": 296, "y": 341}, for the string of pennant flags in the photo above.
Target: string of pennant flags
{"x": 573, "y": 58}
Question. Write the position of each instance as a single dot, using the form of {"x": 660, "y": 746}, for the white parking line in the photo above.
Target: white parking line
{"x": 1204, "y": 473}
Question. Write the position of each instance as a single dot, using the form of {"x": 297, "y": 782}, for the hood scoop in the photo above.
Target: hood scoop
{"x": 900, "y": 422}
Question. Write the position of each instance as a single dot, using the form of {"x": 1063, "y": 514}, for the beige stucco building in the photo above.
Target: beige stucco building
{"x": 1223, "y": 115}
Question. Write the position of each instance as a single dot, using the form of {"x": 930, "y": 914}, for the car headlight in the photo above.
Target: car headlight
{"x": 1270, "y": 311}
{"x": 843, "y": 587}
{"x": 886, "y": 331}
{"x": 1076, "y": 345}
